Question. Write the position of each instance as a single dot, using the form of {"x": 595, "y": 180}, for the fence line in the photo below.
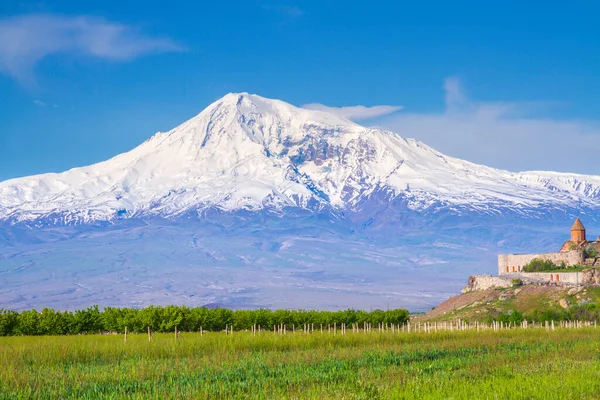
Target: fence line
{"x": 425, "y": 327}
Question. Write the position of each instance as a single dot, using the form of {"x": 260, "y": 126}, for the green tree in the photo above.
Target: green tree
{"x": 87, "y": 321}
{"x": 8, "y": 322}
{"x": 28, "y": 323}
{"x": 172, "y": 316}
{"x": 112, "y": 319}
{"x": 53, "y": 323}
{"x": 397, "y": 316}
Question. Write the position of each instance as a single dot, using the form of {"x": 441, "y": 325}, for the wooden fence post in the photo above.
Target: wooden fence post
{"x": 125, "y": 334}
{"x": 149, "y": 335}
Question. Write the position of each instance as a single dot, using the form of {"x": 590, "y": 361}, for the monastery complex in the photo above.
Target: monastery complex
{"x": 578, "y": 252}
{"x": 571, "y": 253}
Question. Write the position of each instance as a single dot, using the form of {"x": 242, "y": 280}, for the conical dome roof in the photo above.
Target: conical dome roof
{"x": 578, "y": 226}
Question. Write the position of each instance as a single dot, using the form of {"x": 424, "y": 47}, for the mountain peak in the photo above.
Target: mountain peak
{"x": 237, "y": 98}
{"x": 247, "y": 104}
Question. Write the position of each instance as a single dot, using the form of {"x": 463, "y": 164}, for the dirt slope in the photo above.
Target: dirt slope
{"x": 476, "y": 306}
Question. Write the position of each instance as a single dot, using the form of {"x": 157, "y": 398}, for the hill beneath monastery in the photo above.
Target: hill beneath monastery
{"x": 533, "y": 302}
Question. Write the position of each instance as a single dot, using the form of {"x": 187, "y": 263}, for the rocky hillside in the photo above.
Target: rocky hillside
{"x": 529, "y": 300}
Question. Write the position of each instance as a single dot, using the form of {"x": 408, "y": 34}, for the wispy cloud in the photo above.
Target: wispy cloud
{"x": 27, "y": 39}
{"x": 290, "y": 11}
{"x": 355, "y": 113}
{"x": 286, "y": 12}
{"x": 454, "y": 93}
{"x": 507, "y": 135}
{"x": 39, "y": 103}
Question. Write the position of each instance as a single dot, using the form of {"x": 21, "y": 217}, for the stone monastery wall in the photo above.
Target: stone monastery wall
{"x": 512, "y": 263}
{"x": 589, "y": 277}
{"x": 573, "y": 278}
{"x": 485, "y": 282}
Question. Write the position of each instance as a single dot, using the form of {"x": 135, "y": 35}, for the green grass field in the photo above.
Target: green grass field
{"x": 509, "y": 364}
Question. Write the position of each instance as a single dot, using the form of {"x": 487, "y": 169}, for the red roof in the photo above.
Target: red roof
{"x": 578, "y": 226}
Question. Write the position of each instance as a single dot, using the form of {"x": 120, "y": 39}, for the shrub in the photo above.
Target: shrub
{"x": 590, "y": 252}
{"x": 8, "y": 321}
{"x": 516, "y": 282}
{"x": 539, "y": 265}
{"x": 549, "y": 315}
{"x": 511, "y": 316}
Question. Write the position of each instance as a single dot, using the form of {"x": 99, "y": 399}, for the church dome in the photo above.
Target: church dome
{"x": 578, "y": 226}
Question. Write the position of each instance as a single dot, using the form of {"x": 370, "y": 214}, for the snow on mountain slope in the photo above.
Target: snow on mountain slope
{"x": 248, "y": 152}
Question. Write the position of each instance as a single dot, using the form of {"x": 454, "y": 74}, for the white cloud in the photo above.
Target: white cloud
{"x": 355, "y": 113}
{"x": 454, "y": 93}
{"x": 39, "y": 103}
{"x": 507, "y": 135}
{"x": 25, "y": 40}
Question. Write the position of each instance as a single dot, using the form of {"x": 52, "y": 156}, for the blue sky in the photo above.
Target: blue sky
{"x": 83, "y": 81}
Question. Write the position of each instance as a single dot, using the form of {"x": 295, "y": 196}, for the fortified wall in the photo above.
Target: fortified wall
{"x": 485, "y": 282}
{"x": 513, "y": 263}
{"x": 589, "y": 277}
{"x": 569, "y": 278}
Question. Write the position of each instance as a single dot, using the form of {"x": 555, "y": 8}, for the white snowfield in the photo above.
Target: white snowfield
{"x": 248, "y": 152}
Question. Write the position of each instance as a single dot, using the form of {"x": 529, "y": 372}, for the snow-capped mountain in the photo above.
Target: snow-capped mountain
{"x": 248, "y": 152}
{"x": 354, "y": 217}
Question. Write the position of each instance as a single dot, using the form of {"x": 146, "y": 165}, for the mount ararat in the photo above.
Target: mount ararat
{"x": 257, "y": 203}
{"x": 248, "y": 152}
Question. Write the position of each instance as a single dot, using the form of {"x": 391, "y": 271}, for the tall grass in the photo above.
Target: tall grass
{"x": 526, "y": 364}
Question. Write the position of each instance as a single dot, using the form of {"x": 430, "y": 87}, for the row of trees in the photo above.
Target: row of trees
{"x": 165, "y": 319}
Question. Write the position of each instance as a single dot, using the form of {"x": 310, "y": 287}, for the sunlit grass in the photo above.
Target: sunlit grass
{"x": 532, "y": 363}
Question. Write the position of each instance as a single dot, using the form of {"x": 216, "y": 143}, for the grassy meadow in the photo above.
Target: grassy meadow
{"x": 509, "y": 364}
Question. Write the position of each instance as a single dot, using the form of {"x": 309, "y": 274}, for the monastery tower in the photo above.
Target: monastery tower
{"x": 578, "y": 232}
